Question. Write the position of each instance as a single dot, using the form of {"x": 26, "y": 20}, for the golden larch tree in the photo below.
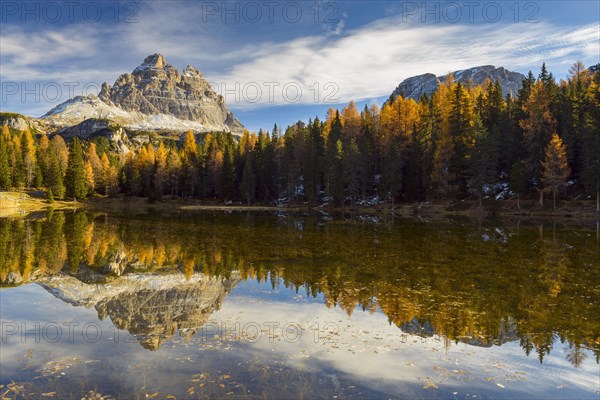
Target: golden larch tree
{"x": 555, "y": 168}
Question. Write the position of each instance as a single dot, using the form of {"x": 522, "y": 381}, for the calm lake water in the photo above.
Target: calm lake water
{"x": 240, "y": 305}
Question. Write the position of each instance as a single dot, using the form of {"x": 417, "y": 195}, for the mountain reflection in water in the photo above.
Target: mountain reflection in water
{"x": 477, "y": 284}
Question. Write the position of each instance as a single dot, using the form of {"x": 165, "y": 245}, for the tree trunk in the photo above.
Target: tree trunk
{"x": 598, "y": 200}
{"x": 518, "y": 204}
{"x": 554, "y": 190}
{"x": 541, "y": 203}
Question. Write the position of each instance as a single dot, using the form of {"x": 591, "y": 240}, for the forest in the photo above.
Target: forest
{"x": 464, "y": 141}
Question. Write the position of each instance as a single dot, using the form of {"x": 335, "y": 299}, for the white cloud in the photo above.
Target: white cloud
{"x": 361, "y": 63}
{"x": 370, "y": 61}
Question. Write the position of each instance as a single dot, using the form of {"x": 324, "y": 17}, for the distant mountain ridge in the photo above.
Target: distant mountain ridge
{"x": 415, "y": 87}
{"x": 154, "y": 96}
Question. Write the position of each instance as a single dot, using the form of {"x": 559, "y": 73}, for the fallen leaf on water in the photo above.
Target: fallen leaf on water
{"x": 48, "y": 394}
{"x": 151, "y": 395}
{"x": 430, "y": 384}
{"x": 500, "y": 385}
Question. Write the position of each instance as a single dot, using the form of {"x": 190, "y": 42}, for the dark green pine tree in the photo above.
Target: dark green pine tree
{"x": 5, "y": 179}
{"x": 591, "y": 146}
{"x": 511, "y": 137}
{"x": 313, "y": 162}
{"x": 274, "y": 164}
{"x": 392, "y": 169}
{"x": 333, "y": 178}
{"x": 55, "y": 176}
{"x": 552, "y": 89}
{"x": 525, "y": 90}
{"x": 518, "y": 111}
{"x": 484, "y": 160}
{"x": 259, "y": 162}
{"x": 228, "y": 175}
{"x": 131, "y": 179}
{"x": 248, "y": 183}
{"x": 417, "y": 166}
{"x": 17, "y": 167}
{"x": 518, "y": 181}
{"x": 275, "y": 134}
{"x": 366, "y": 148}
{"x": 352, "y": 165}
{"x": 290, "y": 164}
{"x": 268, "y": 168}
{"x": 338, "y": 174}
{"x": 575, "y": 108}
{"x": 75, "y": 177}
{"x": 462, "y": 135}
{"x": 544, "y": 76}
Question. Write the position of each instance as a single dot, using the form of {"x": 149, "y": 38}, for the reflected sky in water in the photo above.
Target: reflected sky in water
{"x": 223, "y": 316}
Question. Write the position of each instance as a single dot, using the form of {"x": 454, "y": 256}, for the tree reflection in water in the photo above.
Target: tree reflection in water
{"x": 475, "y": 283}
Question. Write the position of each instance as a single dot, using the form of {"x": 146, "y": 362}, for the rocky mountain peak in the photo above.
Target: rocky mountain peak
{"x": 416, "y": 86}
{"x": 154, "y": 61}
{"x": 154, "y": 96}
{"x": 155, "y": 65}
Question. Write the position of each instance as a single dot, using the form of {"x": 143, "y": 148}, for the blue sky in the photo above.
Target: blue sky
{"x": 281, "y": 61}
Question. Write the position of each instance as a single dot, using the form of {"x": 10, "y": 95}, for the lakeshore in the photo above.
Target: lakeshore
{"x": 21, "y": 203}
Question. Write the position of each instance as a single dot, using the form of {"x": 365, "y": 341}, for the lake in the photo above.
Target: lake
{"x": 259, "y": 305}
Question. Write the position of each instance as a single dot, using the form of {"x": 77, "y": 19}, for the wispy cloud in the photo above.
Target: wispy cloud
{"x": 358, "y": 63}
{"x": 370, "y": 61}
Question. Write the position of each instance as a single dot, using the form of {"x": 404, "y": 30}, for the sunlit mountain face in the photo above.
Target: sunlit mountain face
{"x": 497, "y": 309}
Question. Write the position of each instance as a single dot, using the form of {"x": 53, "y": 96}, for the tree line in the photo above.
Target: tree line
{"x": 462, "y": 141}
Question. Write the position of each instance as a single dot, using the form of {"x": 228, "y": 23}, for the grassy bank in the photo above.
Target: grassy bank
{"x": 19, "y": 203}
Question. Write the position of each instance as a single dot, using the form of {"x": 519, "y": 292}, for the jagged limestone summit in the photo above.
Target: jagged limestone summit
{"x": 416, "y": 86}
{"x": 154, "y": 96}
